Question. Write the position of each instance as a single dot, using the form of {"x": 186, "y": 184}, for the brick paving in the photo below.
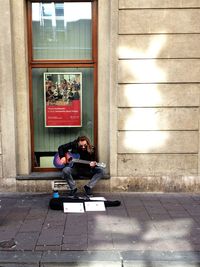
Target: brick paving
{"x": 145, "y": 223}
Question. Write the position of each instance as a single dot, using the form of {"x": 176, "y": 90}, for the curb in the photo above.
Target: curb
{"x": 99, "y": 259}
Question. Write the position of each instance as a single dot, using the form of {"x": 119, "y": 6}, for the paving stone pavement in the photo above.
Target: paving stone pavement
{"x": 147, "y": 229}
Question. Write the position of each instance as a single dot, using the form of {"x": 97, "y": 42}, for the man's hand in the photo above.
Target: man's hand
{"x": 63, "y": 160}
{"x": 93, "y": 164}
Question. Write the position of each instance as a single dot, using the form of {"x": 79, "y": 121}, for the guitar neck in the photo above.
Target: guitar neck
{"x": 77, "y": 160}
{"x": 81, "y": 161}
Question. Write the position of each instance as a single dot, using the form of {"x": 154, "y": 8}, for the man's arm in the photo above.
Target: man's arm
{"x": 63, "y": 149}
{"x": 93, "y": 154}
{"x": 93, "y": 158}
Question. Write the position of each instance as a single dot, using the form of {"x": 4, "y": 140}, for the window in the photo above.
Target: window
{"x": 62, "y": 39}
{"x": 62, "y": 30}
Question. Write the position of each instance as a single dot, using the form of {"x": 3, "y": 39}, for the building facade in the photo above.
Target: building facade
{"x": 146, "y": 59}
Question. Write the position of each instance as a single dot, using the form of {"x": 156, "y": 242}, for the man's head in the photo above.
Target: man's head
{"x": 84, "y": 143}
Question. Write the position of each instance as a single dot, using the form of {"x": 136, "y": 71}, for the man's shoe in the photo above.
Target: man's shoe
{"x": 72, "y": 192}
{"x": 88, "y": 190}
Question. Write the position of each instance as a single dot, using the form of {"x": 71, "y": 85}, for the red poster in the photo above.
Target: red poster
{"x": 63, "y": 99}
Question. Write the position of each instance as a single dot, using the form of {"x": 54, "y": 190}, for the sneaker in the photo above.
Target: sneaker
{"x": 72, "y": 192}
{"x": 88, "y": 190}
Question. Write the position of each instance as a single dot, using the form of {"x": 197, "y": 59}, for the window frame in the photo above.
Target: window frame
{"x": 64, "y": 63}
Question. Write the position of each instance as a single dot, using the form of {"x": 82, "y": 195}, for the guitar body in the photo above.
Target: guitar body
{"x": 72, "y": 158}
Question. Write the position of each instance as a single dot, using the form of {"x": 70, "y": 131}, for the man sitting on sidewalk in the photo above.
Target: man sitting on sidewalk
{"x": 87, "y": 167}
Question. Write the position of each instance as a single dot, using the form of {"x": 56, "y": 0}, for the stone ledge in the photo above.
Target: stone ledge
{"x": 47, "y": 176}
{"x": 40, "y": 176}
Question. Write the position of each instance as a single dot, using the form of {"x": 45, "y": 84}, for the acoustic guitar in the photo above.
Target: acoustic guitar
{"x": 71, "y": 159}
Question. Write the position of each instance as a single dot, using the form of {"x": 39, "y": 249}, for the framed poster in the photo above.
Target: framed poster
{"x": 63, "y": 99}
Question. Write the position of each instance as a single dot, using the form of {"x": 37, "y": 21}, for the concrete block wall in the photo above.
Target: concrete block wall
{"x": 158, "y": 77}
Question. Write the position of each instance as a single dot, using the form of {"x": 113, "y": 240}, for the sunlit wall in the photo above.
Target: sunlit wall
{"x": 158, "y": 88}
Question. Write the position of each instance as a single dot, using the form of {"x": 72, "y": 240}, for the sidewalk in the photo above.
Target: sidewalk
{"x": 147, "y": 229}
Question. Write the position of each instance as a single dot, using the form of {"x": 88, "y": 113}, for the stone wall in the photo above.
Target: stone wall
{"x": 14, "y": 117}
{"x": 8, "y": 107}
{"x": 158, "y": 75}
{"x": 148, "y": 106}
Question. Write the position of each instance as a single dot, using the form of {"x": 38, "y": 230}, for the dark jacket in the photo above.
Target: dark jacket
{"x": 72, "y": 147}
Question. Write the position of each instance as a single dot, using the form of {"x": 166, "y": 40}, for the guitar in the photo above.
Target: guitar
{"x": 71, "y": 159}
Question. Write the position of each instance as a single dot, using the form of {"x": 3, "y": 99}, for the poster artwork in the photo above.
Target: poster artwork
{"x": 63, "y": 99}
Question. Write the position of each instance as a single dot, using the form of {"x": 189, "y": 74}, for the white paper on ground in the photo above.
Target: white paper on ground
{"x": 98, "y": 198}
{"x": 73, "y": 207}
{"x": 94, "y": 206}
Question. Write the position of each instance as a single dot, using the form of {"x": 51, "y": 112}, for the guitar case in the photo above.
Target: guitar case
{"x": 57, "y": 203}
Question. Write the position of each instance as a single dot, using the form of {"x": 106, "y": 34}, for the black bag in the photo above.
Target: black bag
{"x": 57, "y": 203}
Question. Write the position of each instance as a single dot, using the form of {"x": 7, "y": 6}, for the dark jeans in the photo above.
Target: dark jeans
{"x": 95, "y": 174}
